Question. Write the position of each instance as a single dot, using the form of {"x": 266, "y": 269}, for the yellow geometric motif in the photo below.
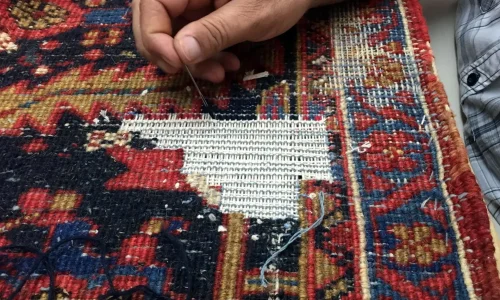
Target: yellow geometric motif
{"x": 81, "y": 92}
{"x": 418, "y": 245}
{"x": 33, "y": 15}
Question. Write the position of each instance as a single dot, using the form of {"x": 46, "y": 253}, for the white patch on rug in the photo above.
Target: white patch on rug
{"x": 258, "y": 163}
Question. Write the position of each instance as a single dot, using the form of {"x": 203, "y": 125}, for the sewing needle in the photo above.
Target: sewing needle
{"x": 205, "y": 103}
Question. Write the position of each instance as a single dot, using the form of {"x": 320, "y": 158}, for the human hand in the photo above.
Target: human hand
{"x": 171, "y": 33}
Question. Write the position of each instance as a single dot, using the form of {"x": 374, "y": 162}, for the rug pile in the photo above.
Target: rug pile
{"x": 114, "y": 181}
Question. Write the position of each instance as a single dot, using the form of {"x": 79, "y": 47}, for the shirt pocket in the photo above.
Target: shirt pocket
{"x": 478, "y": 52}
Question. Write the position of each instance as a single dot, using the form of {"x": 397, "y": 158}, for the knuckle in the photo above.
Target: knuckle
{"x": 253, "y": 15}
{"x": 218, "y": 31}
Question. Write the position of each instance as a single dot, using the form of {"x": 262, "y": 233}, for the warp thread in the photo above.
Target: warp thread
{"x": 43, "y": 258}
{"x": 292, "y": 239}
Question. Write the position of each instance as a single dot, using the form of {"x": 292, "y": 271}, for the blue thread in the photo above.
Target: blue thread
{"x": 108, "y": 16}
{"x": 282, "y": 282}
{"x": 28, "y": 104}
{"x": 294, "y": 237}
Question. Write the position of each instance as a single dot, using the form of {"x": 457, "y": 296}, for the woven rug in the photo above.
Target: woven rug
{"x": 339, "y": 175}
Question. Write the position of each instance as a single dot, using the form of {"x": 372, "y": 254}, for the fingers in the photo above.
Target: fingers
{"x": 214, "y": 69}
{"x": 136, "y": 12}
{"x": 224, "y": 27}
{"x": 209, "y": 70}
{"x": 229, "y": 61}
{"x": 236, "y": 21}
{"x": 156, "y": 31}
{"x": 219, "y": 3}
{"x": 153, "y": 28}
{"x": 136, "y": 28}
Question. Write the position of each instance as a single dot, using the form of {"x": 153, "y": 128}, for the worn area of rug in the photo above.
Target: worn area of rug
{"x": 114, "y": 182}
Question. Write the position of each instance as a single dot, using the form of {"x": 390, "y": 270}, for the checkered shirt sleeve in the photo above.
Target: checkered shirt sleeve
{"x": 478, "y": 54}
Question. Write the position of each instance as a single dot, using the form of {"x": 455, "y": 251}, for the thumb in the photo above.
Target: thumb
{"x": 224, "y": 27}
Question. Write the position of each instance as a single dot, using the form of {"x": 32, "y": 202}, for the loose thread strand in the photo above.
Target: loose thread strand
{"x": 292, "y": 239}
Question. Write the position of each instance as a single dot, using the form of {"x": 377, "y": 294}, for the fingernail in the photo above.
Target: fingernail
{"x": 191, "y": 48}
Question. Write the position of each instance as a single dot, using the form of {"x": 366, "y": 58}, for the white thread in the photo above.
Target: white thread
{"x": 423, "y": 120}
{"x": 255, "y": 76}
{"x": 126, "y": 12}
{"x": 277, "y": 285}
{"x": 258, "y": 163}
{"x": 425, "y": 202}
{"x": 361, "y": 149}
{"x": 248, "y": 73}
{"x": 104, "y": 114}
